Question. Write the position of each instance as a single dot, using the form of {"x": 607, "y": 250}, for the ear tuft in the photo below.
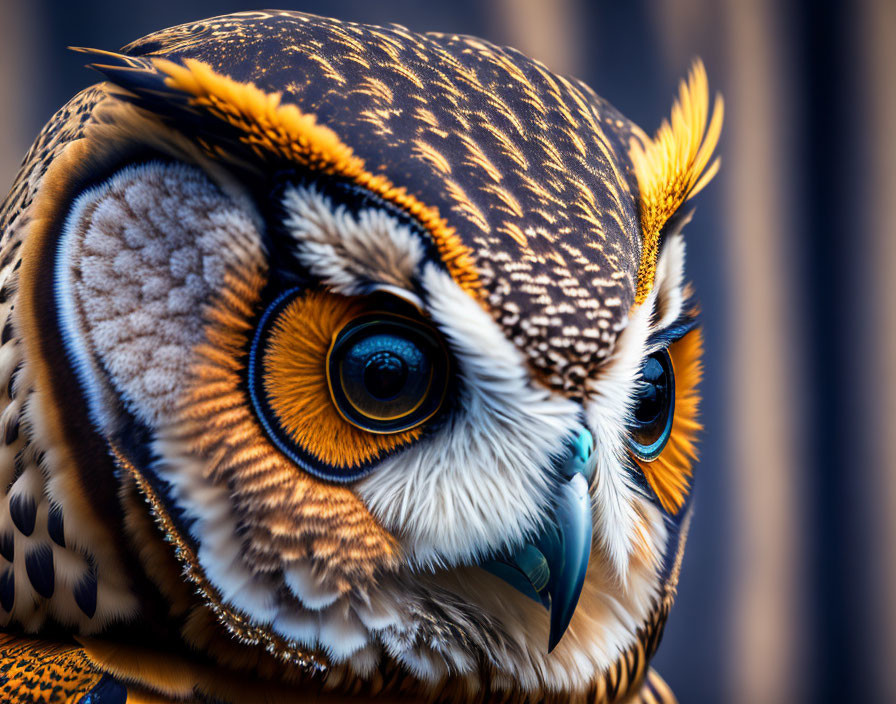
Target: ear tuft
{"x": 672, "y": 166}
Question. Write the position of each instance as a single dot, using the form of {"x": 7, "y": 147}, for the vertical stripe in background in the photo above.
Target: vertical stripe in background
{"x": 874, "y": 360}
{"x": 762, "y": 583}
{"x": 548, "y": 31}
{"x": 765, "y": 652}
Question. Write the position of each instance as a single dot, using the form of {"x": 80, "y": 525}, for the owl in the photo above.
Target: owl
{"x": 342, "y": 362}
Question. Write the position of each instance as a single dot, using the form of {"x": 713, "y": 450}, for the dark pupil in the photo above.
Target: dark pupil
{"x": 652, "y": 400}
{"x": 385, "y": 375}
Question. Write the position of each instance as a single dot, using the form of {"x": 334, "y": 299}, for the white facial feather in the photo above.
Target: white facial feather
{"x": 307, "y": 587}
{"x": 350, "y": 252}
{"x": 669, "y": 284}
{"x": 608, "y": 408}
{"x": 432, "y": 494}
{"x": 610, "y": 403}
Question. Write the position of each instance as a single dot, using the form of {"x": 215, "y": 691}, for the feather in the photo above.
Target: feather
{"x": 674, "y": 166}
{"x": 40, "y": 569}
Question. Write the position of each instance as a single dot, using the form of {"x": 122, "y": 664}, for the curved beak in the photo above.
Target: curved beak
{"x": 550, "y": 569}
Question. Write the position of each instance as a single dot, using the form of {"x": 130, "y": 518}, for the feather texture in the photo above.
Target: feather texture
{"x": 675, "y": 165}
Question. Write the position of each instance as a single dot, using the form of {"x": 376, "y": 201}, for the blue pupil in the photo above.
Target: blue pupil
{"x": 385, "y": 377}
{"x": 653, "y": 412}
{"x": 654, "y": 396}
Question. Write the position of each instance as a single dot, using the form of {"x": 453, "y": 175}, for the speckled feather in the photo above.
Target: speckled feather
{"x": 39, "y": 672}
{"x": 31, "y": 519}
{"x": 531, "y": 169}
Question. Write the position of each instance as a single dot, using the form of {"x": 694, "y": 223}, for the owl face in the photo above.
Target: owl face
{"x": 398, "y": 356}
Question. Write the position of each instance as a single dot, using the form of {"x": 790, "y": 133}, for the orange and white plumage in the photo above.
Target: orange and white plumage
{"x": 299, "y": 369}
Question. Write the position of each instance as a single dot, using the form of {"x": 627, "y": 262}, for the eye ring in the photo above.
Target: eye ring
{"x": 387, "y": 373}
{"x": 289, "y": 390}
{"x": 654, "y": 411}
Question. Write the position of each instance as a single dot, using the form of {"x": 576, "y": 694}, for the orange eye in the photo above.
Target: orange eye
{"x": 670, "y": 468}
{"x": 339, "y": 431}
{"x": 654, "y": 409}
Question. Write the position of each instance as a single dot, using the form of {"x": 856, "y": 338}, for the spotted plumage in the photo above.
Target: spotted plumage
{"x": 347, "y": 360}
{"x": 34, "y": 672}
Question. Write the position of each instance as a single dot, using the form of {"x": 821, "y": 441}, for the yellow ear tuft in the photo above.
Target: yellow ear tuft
{"x": 672, "y": 166}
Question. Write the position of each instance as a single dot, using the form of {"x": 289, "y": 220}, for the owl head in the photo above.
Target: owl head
{"x": 349, "y": 355}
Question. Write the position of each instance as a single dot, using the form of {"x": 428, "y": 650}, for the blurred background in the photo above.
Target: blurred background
{"x": 788, "y": 592}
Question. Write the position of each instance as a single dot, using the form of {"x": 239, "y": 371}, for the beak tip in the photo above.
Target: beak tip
{"x": 574, "y": 514}
{"x": 556, "y": 635}
{"x": 560, "y": 616}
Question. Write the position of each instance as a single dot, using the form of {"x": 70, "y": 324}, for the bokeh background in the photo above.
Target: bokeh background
{"x": 788, "y": 592}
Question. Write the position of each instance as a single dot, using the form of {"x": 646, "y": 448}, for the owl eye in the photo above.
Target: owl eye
{"x": 652, "y": 416}
{"x": 338, "y": 383}
{"x": 386, "y": 373}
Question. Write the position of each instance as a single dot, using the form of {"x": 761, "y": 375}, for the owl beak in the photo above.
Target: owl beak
{"x": 550, "y": 569}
